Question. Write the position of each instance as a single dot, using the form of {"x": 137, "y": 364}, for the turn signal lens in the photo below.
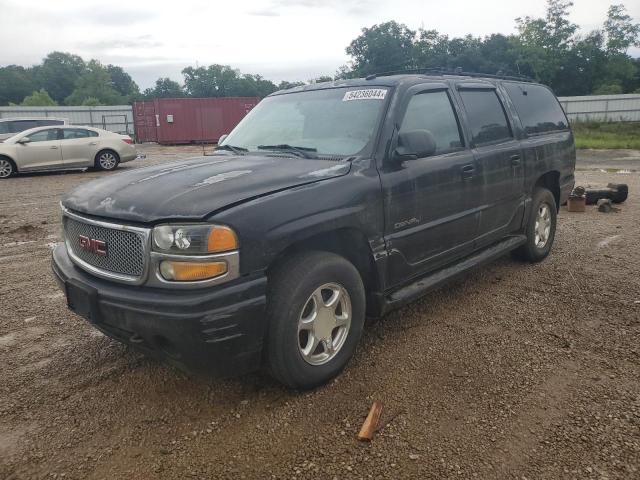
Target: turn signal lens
{"x": 222, "y": 239}
{"x": 191, "y": 271}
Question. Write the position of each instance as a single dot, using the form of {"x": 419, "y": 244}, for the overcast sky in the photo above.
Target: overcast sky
{"x": 280, "y": 39}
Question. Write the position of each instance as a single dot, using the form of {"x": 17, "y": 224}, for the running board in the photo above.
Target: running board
{"x": 418, "y": 288}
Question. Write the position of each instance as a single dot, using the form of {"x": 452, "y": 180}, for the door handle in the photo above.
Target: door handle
{"x": 515, "y": 160}
{"x": 468, "y": 171}
{"x": 93, "y": 143}
{"x": 53, "y": 147}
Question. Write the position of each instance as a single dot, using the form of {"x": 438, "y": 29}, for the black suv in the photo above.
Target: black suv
{"x": 326, "y": 204}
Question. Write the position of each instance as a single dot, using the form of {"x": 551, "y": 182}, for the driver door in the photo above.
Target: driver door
{"x": 42, "y": 151}
{"x": 431, "y": 216}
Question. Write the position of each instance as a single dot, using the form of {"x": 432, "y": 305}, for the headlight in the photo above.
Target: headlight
{"x": 194, "y": 239}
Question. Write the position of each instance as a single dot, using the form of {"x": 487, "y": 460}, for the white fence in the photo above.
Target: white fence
{"x": 602, "y": 108}
{"x": 117, "y": 118}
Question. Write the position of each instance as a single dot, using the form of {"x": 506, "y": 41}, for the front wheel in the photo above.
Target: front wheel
{"x": 107, "y": 160}
{"x": 316, "y": 311}
{"x": 541, "y": 227}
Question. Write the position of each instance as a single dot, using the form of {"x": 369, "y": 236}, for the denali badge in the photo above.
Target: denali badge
{"x": 92, "y": 245}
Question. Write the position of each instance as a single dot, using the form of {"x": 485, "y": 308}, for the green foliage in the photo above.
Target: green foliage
{"x": 611, "y": 89}
{"x": 39, "y": 98}
{"x": 95, "y": 83}
{"x": 380, "y": 48}
{"x": 287, "y": 85}
{"x": 122, "y": 82}
{"x": 15, "y": 84}
{"x": 549, "y": 49}
{"x": 224, "y": 81}
{"x": 91, "y": 102}
{"x": 59, "y": 74}
{"x": 607, "y": 134}
{"x": 164, "y": 88}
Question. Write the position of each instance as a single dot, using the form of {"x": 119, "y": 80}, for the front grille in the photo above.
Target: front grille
{"x": 125, "y": 249}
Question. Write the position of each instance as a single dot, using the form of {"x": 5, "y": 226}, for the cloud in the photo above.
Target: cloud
{"x": 264, "y": 13}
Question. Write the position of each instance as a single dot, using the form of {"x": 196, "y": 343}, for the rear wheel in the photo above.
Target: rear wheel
{"x": 7, "y": 168}
{"x": 107, "y": 160}
{"x": 541, "y": 227}
{"x": 316, "y": 310}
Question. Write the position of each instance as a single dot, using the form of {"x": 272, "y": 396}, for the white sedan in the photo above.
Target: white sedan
{"x": 64, "y": 147}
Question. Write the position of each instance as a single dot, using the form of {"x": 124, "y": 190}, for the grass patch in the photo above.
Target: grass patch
{"x": 607, "y": 134}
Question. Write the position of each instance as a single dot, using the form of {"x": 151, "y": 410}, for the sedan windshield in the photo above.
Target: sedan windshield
{"x": 337, "y": 121}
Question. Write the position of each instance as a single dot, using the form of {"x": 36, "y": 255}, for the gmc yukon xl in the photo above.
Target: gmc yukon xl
{"x": 326, "y": 204}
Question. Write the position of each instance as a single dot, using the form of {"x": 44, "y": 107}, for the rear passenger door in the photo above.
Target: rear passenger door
{"x": 78, "y": 146}
{"x": 430, "y": 219}
{"x": 499, "y": 162}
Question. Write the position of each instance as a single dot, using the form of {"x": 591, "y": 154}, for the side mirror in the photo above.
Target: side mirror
{"x": 415, "y": 144}
{"x": 222, "y": 138}
{"x": 24, "y": 140}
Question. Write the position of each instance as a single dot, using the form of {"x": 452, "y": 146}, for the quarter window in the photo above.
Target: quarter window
{"x": 73, "y": 133}
{"x": 432, "y": 111}
{"x": 487, "y": 119}
{"x": 537, "y": 108}
{"x": 44, "y": 135}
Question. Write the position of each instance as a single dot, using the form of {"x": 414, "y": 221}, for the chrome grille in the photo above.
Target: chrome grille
{"x": 125, "y": 249}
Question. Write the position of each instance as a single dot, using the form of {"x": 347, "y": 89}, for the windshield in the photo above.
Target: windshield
{"x": 338, "y": 121}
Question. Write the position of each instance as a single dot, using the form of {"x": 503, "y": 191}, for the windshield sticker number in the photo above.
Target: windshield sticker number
{"x": 368, "y": 94}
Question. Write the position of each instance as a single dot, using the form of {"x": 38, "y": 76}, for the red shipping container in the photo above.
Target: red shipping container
{"x": 171, "y": 121}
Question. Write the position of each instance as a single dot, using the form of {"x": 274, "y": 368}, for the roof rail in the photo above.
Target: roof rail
{"x": 456, "y": 71}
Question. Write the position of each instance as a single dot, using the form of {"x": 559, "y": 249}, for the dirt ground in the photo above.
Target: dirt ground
{"x": 518, "y": 371}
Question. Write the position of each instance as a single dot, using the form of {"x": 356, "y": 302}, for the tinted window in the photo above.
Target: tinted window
{"x": 486, "y": 116}
{"x": 71, "y": 133}
{"x": 44, "y": 123}
{"x": 432, "y": 111}
{"x": 537, "y": 108}
{"x": 44, "y": 135}
{"x": 22, "y": 125}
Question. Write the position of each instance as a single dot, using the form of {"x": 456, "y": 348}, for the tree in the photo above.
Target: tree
{"x": 91, "y": 102}
{"x": 39, "y": 98}
{"x": 95, "y": 83}
{"x": 59, "y": 74}
{"x": 15, "y": 84}
{"x": 123, "y": 83}
{"x": 224, "y": 81}
{"x": 284, "y": 85}
{"x": 620, "y": 30}
{"x": 164, "y": 88}
{"x": 384, "y": 47}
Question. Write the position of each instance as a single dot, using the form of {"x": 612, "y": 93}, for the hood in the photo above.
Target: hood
{"x": 193, "y": 189}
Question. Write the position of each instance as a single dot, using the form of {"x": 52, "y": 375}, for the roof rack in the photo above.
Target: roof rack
{"x": 456, "y": 71}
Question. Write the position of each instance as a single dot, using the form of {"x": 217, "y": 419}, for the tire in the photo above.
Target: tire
{"x": 107, "y": 160}
{"x": 7, "y": 168}
{"x": 543, "y": 206}
{"x": 292, "y": 297}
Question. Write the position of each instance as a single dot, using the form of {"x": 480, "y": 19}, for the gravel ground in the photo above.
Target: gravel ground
{"x": 517, "y": 371}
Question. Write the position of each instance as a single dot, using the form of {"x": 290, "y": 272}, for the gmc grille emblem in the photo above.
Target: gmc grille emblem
{"x": 92, "y": 245}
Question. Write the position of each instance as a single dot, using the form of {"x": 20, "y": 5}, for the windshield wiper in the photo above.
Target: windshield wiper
{"x": 232, "y": 148}
{"x": 304, "y": 152}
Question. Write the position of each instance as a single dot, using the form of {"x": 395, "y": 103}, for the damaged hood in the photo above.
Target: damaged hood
{"x": 193, "y": 189}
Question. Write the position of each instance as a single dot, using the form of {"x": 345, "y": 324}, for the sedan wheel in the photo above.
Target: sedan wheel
{"x": 107, "y": 161}
{"x": 6, "y": 168}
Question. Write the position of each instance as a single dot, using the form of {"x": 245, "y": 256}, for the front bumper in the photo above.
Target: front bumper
{"x": 216, "y": 330}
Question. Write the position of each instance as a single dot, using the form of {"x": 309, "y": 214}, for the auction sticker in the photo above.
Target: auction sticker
{"x": 366, "y": 94}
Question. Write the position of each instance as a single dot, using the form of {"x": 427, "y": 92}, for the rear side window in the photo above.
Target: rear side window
{"x": 486, "y": 116}
{"x": 432, "y": 111}
{"x": 537, "y": 108}
{"x": 71, "y": 133}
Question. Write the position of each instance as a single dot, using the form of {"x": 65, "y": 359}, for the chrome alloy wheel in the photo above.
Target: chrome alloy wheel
{"x": 543, "y": 225}
{"x": 323, "y": 325}
{"x": 6, "y": 169}
{"x": 107, "y": 161}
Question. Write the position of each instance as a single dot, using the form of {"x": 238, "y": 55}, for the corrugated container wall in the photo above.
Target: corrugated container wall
{"x": 171, "y": 121}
